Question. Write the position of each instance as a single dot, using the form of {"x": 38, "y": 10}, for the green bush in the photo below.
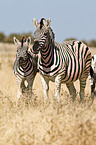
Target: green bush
{"x": 2, "y": 37}
{"x": 9, "y": 39}
{"x": 70, "y": 39}
{"x": 92, "y": 43}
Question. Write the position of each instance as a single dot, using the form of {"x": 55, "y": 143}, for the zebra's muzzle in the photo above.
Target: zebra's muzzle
{"x": 36, "y": 47}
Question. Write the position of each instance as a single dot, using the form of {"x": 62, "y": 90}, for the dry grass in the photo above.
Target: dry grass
{"x": 39, "y": 124}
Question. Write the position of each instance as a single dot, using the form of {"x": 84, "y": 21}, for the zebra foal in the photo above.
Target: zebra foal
{"x": 61, "y": 63}
{"x": 25, "y": 66}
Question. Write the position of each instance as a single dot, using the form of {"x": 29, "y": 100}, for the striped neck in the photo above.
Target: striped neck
{"x": 25, "y": 63}
{"x": 47, "y": 55}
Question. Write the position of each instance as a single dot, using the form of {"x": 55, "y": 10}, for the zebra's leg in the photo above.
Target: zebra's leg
{"x": 45, "y": 85}
{"x": 23, "y": 86}
{"x": 92, "y": 85}
{"x": 82, "y": 87}
{"x": 92, "y": 91}
{"x": 72, "y": 90}
{"x": 30, "y": 83}
{"x": 19, "y": 82}
{"x": 58, "y": 86}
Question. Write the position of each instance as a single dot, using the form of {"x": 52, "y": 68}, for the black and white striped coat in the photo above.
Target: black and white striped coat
{"x": 25, "y": 66}
{"x": 92, "y": 77}
{"x": 61, "y": 63}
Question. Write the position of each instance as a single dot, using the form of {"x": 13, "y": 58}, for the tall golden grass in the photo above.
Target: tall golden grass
{"x": 67, "y": 123}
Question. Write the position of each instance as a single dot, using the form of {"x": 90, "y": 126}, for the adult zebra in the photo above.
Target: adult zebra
{"x": 25, "y": 66}
{"x": 61, "y": 63}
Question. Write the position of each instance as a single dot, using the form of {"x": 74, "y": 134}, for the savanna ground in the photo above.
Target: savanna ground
{"x": 39, "y": 124}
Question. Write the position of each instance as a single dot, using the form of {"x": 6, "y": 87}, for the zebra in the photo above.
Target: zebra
{"x": 92, "y": 76}
{"x": 25, "y": 66}
{"x": 60, "y": 63}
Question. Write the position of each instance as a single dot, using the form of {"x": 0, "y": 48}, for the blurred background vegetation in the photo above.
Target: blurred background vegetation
{"x": 9, "y": 39}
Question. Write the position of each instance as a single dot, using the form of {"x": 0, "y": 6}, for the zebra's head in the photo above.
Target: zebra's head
{"x": 22, "y": 49}
{"x": 43, "y": 34}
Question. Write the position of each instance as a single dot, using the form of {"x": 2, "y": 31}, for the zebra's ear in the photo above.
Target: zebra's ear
{"x": 48, "y": 22}
{"x": 28, "y": 41}
{"x": 16, "y": 41}
{"x": 35, "y": 22}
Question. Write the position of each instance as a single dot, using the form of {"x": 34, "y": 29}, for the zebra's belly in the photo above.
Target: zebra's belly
{"x": 48, "y": 77}
{"x": 68, "y": 74}
{"x": 52, "y": 78}
{"x": 68, "y": 80}
{"x": 65, "y": 77}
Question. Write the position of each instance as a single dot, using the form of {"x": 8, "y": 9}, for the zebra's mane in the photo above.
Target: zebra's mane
{"x": 23, "y": 39}
{"x": 52, "y": 35}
